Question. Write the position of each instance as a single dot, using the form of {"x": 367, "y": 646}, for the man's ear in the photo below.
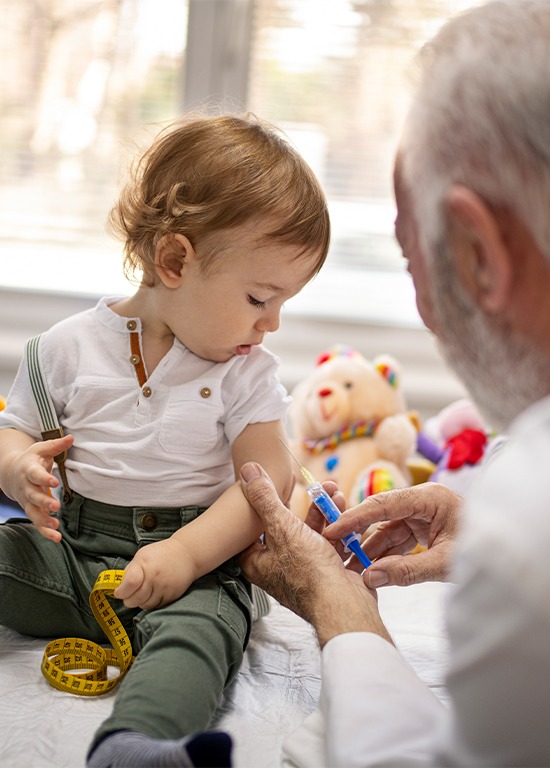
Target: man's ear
{"x": 483, "y": 259}
{"x": 172, "y": 253}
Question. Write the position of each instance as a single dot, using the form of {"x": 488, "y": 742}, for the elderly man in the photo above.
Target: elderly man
{"x": 472, "y": 185}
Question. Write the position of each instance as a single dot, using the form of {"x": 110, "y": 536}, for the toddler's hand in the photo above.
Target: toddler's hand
{"x": 159, "y": 574}
{"x": 31, "y": 481}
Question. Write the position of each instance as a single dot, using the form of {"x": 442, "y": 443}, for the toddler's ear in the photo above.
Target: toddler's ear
{"x": 171, "y": 253}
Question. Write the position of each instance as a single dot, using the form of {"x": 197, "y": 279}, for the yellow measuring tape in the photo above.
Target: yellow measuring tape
{"x": 74, "y": 653}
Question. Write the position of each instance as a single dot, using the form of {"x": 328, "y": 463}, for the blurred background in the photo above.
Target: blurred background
{"x": 84, "y": 84}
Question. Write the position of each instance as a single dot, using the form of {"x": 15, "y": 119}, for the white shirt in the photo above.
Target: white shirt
{"x": 375, "y": 711}
{"x": 170, "y": 448}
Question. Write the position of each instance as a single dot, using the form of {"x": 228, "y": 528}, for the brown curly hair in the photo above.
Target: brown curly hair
{"x": 204, "y": 174}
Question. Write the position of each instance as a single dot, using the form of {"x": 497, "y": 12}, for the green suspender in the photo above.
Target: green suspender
{"x": 49, "y": 423}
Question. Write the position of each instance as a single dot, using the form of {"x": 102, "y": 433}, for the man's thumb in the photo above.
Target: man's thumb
{"x": 250, "y": 472}
{"x": 259, "y": 489}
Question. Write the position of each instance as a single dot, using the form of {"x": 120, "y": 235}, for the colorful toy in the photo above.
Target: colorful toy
{"x": 456, "y": 441}
{"x": 349, "y": 424}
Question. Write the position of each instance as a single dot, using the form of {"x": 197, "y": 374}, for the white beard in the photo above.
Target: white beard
{"x": 503, "y": 372}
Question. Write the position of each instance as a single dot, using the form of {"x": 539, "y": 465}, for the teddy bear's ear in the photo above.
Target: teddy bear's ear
{"x": 324, "y": 357}
{"x": 338, "y": 350}
{"x": 389, "y": 368}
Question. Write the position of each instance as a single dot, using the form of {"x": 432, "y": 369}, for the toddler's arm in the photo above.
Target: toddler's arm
{"x": 26, "y": 476}
{"x": 163, "y": 571}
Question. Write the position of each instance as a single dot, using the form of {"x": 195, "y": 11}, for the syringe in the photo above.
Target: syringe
{"x": 323, "y": 502}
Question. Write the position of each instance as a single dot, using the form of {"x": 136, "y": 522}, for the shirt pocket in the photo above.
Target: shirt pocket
{"x": 191, "y": 423}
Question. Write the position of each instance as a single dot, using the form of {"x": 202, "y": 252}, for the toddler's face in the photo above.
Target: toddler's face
{"x": 230, "y": 309}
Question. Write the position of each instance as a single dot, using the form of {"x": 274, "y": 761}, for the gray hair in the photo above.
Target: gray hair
{"x": 481, "y": 117}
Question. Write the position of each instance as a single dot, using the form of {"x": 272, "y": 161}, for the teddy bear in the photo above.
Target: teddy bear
{"x": 349, "y": 423}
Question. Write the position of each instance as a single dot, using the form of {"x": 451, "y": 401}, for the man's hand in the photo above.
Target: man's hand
{"x": 158, "y": 574}
{"x": 301, "y": 570}
{"x": 29, "y": 480}
{"x": 426, "y": 514}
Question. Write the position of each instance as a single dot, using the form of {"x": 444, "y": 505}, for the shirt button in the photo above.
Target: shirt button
{"x": 148, "y": 521}
{"x": 206, "y": 392}
{"x": 131, "y": 325}
{"x": 147, "y": 391}
{"x": 135, "y": 359}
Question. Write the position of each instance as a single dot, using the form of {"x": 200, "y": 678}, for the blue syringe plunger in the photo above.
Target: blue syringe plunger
{"x": 323, "y": 502}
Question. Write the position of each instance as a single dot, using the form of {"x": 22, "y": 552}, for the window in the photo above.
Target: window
{"x": 337, "y": 75}
{"x": 83, "y": 81}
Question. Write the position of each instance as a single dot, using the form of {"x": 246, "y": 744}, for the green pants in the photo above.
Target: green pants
{"x": 187, "y": 651}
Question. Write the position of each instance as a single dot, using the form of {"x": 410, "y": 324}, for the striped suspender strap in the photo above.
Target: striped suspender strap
{"x": 49, "y": 423}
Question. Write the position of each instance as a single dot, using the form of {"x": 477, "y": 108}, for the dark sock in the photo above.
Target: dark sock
{"x": 129, "y": 749}
{"x": 211, "y": 749}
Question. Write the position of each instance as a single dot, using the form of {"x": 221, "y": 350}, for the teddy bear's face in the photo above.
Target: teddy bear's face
{"x": 339, "y": 393}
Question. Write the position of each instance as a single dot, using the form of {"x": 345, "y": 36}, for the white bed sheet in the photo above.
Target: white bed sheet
{"x": 276, "y": 688}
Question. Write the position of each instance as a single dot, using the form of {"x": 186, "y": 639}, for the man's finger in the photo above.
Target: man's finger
{"x": 390, "y": 505}
{"x": 248, "y": 560}
{"x": 390, "y": 538}
{"x": 260, "y": 493}
{"x": 254, "y": 549}
{"x": 405, "y": 570}
{"x": 250, "y": 554}
{"x": 315, "y": 519}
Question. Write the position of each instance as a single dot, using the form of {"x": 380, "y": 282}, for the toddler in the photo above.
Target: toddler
{"x": 162, "y": 396}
